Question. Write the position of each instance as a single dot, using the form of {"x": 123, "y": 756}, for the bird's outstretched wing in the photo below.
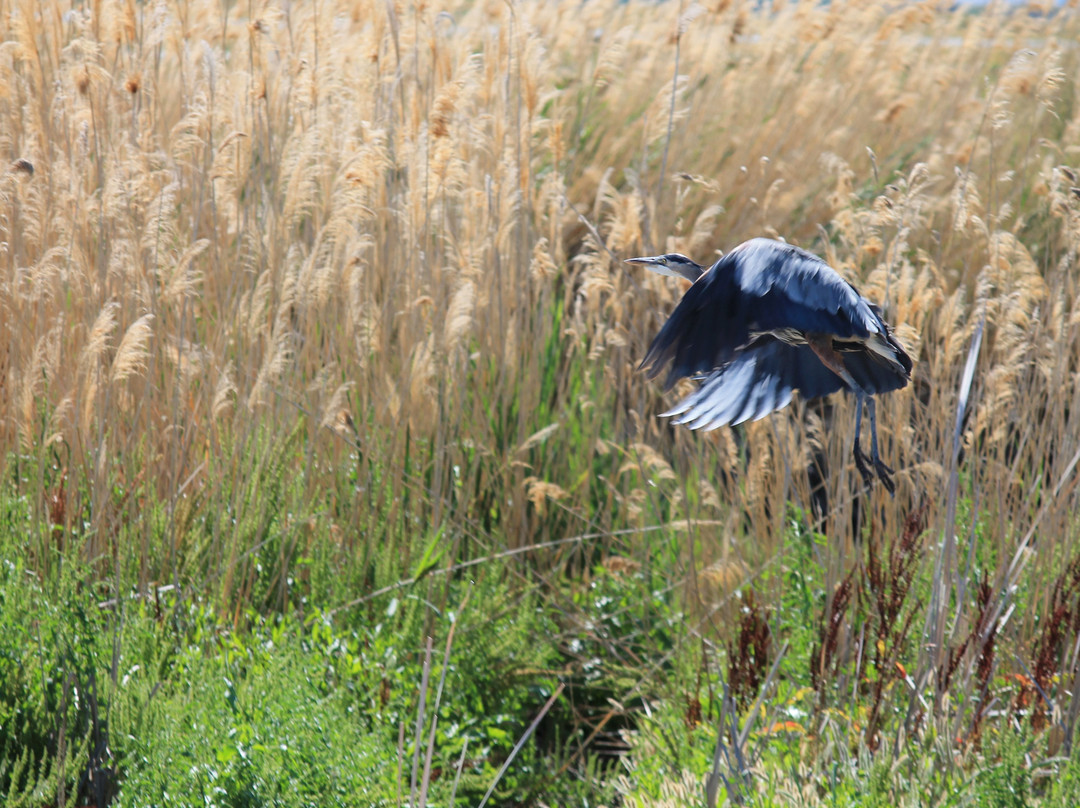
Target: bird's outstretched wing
{"x": 704, "y": 331}
{"x": 759, "y": 287}
{"x": 758, "y": 381}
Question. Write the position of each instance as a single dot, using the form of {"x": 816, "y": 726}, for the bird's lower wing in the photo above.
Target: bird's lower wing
{"x": 758, "y": 381}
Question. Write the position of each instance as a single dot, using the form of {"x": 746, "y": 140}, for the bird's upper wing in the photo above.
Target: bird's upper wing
{"x": 759, "y": 287}
{"x": 787, "y": 287}
{"x": 759, "y": 380}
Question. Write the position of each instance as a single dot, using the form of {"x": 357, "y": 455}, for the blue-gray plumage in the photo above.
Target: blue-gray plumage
{"x": 768, "y": 319}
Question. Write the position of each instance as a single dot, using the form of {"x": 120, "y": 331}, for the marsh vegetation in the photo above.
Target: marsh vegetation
{"x": 326, "y": 469}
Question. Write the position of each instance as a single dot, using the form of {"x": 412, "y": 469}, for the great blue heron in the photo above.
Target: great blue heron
{"x": 765, "y": 320}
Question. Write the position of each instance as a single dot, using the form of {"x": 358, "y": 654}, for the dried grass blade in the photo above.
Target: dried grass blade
{"x": 745, "y": 734}
{"x": 457, "y": 771}
{"x": 420, "y": 721}
{"x": 426, "y": 779}
{"x": 522, "y": 741}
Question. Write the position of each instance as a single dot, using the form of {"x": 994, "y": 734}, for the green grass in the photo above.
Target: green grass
{"x": 160, "y": 698}
{"x": 163, "y": 700}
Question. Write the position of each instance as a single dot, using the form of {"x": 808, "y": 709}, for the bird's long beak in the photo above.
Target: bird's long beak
{"x": 656, "y": 265}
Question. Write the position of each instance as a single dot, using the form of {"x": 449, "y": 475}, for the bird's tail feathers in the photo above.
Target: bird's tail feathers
{"x": 875, "y": 375}
{"x": 890, "y": 352}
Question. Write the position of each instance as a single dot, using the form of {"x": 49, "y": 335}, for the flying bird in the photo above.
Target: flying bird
{"x": 765, "y": 320}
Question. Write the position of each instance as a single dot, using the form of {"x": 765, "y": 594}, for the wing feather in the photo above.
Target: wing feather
{"x": 787, "y": 287}
{"x": 704, "y": 331}
{"x": 760, "y": 380}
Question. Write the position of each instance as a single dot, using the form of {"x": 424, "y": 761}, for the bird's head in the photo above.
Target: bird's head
{"x": 673, "y": 264}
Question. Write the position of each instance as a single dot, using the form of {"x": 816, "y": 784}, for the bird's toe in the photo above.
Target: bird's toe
{"x": 884, "y": 474}
{"x": 863, "y": 467}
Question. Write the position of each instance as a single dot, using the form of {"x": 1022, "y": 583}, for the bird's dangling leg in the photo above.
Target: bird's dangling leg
{"x": 860, "y": 458}
{"x": 884, "y": 473}
{"x": 822, "y": 346}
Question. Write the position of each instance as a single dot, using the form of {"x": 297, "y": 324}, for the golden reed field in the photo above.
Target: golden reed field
{"x": 346, "y": 278}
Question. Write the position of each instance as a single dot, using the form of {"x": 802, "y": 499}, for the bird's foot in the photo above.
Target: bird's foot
{"x": 884, "y": 473}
